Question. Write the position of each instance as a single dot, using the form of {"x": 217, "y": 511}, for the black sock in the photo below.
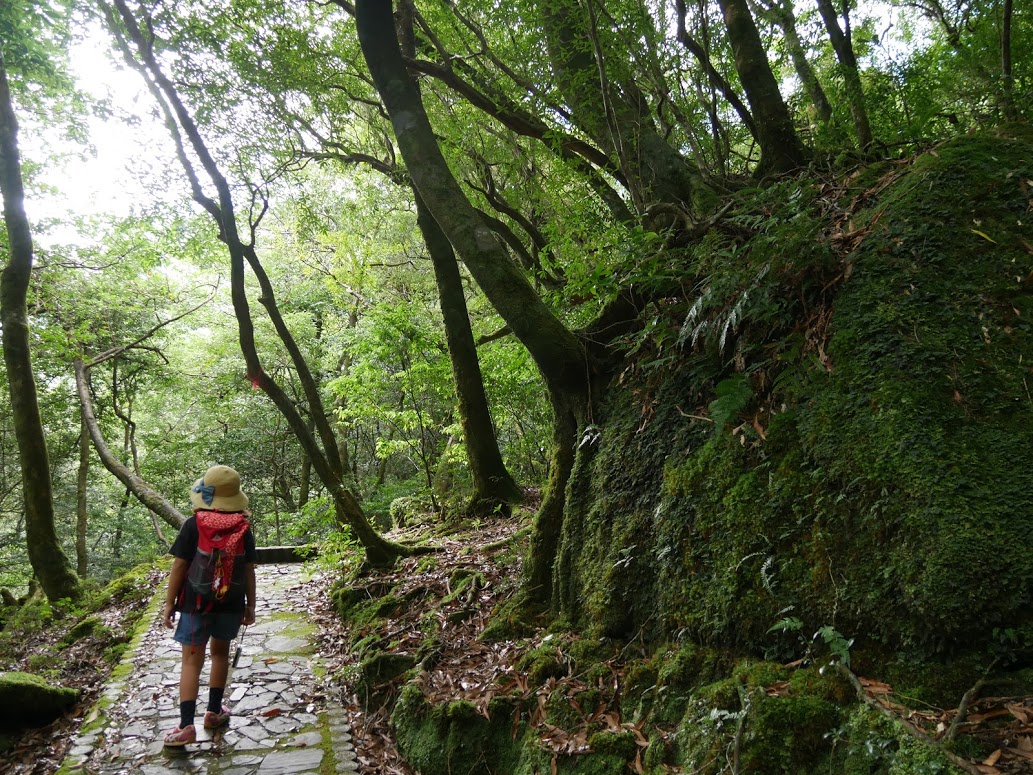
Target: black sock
{"x": 215, "y": 699}
{"x": 187, "y": 709}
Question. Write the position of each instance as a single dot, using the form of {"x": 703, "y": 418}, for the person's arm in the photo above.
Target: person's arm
{"x": 249, "y": 594}
{"x": 176, "y": 577}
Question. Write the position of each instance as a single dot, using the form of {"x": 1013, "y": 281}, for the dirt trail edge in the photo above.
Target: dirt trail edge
{"x": 283, "y": 723}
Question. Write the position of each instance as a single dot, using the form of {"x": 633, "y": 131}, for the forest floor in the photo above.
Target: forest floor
{"x": 464, "y": 667}
{"x": 35, "y": 646}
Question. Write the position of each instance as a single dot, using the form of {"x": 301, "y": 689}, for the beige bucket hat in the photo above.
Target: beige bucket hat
{"x": 218, "y": 490}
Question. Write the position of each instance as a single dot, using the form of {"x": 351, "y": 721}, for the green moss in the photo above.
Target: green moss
{"x": 132, "y": 585}
{"x": 826, "y": 685}
{"x": 872, "y": 744}
{"x": 760, "y": 675}
{"x": 788, "y": 735}
{"x": 28, "y": 700}
{"x": 453, "y": 738}
{"x": 372, "y": 685}
{"x": 890, "y": 385}
{"x": 90, "y": 625}
{"x": 515, "y": 618}
{"x": 541, "y": 663}
{"x": 621, "y": 745}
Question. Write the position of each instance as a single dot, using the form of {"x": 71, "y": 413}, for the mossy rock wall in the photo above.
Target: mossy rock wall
{"x": 892, "y": 497}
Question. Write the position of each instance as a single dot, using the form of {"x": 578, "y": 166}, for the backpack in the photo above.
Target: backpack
{"x": 216, "y": 574}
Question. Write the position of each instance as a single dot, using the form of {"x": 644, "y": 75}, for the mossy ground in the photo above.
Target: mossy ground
{"x": 589, "y": 704}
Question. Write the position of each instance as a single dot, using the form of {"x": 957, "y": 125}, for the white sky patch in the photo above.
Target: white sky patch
{"x": 130, "y": 163}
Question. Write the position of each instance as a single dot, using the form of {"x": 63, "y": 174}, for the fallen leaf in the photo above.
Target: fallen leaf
{"x": 1020, "y": 712}
{"x": 271, "y": 712}
{"x": 991, "y": 760}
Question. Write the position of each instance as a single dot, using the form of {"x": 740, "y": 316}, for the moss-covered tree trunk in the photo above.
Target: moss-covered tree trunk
{"x": 844, "y": 49}
{"x": 615, "y": 115}
{"x": 49, "y": 562}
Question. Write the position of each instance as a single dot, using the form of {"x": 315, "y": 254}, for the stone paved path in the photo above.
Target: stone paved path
{"x": 282, "y": 722}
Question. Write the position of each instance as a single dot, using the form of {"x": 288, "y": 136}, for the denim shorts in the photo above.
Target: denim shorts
{"x": 195, "y": 629}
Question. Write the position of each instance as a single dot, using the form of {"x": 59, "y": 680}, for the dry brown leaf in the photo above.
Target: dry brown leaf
{"x": 271, "y": 712}
{"x": 1020, "y": 712}
{"x": 1022, "y": 753}
{"x": 780, "y": 689}
{"x": 991, "y": 760}
{"x": 1024, "y": 743}
{"x": 875, "y": 687}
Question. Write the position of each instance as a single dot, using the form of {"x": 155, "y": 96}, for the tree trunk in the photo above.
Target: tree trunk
{"x": 48, "y": 560}
{"x": 780, "y": 148}
{"x": 782, "y": 15}
{"x": 851, "y": 75}
{"x": 1007, "y": 76}
{"x": 81, "y": 512}
{"x": 135, "y": 484}
{"x": 492, "y": 483}
{"x": 716, "y": 80}
{"x": 616, "y": 116}
{"x": 540, "y": 571}
{"x": 330, "y": 467}
{"x": 557, "y": 352}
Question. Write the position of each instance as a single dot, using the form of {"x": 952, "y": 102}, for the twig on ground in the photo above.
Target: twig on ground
{"x": 966, "y": 700}
{"x": 911, "y": 729}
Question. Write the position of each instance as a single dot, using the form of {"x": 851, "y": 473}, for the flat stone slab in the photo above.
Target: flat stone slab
{"x": 291, "y": 762}
{"x": 286, "y": 645}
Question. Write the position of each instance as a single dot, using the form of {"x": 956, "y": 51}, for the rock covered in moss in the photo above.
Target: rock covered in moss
{"x": 866, "y": 465}
{"x": 28, "y": 700}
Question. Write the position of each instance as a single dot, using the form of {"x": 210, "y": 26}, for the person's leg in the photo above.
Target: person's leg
{"x": 191, "y": 634}
{"x": 189, "y": 682}
{"x": 220, "y": 650}
{"x": 224, "y": 628}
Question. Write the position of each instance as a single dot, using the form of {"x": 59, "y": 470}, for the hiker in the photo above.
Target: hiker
{"x": 212, "y": 586}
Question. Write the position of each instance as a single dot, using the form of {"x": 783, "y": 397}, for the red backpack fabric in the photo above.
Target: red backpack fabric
{"x": 216, "y": 572}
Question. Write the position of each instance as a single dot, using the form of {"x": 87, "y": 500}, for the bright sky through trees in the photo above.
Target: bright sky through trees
{"x": 128, "y": 164}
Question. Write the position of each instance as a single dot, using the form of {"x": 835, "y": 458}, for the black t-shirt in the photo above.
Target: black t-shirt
{"x": 185, "y": 547}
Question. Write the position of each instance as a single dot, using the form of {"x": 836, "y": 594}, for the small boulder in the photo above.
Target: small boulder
{"x": 28, "y": 700}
